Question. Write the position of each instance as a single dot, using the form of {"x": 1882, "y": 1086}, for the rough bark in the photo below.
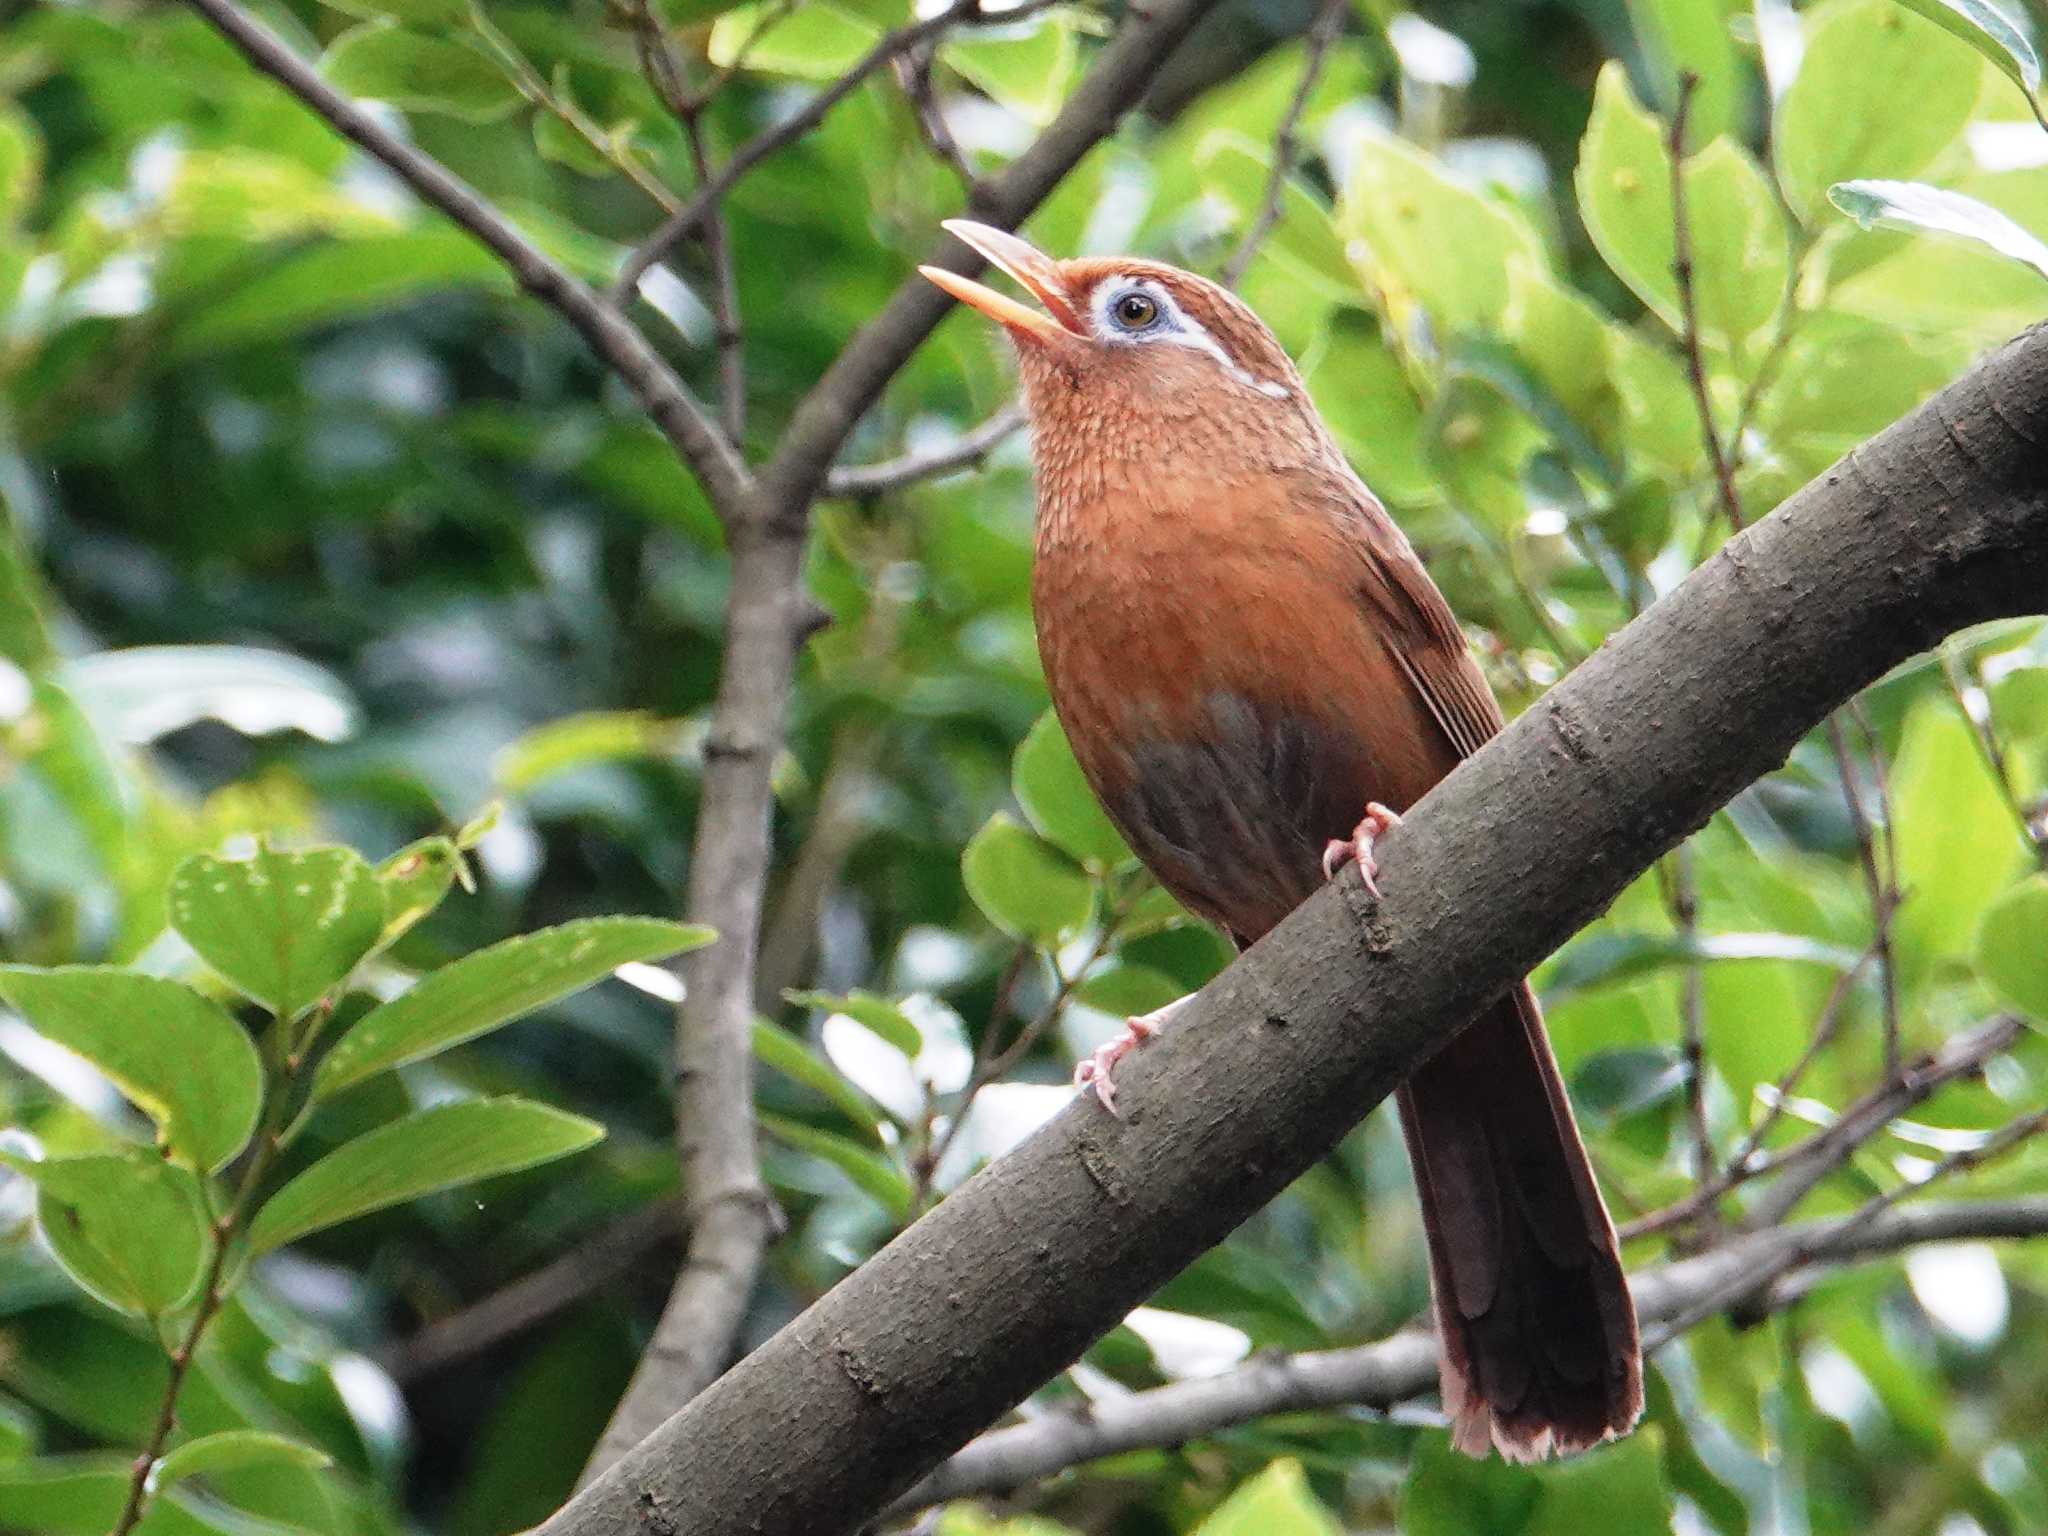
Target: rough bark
{"x": 1938, "y": 523}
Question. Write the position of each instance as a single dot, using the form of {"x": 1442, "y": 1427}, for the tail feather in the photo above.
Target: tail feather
{"x": 1540, "y": 1348}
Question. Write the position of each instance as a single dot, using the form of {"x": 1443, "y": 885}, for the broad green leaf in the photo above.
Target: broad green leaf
{"x": 1303, "y": 242}
{"x": 778, "y": 1048}
{"x": 127, "y": 1226}
{"x": 415, "y": 879}
{"x": 82, "y": 1495}
{"x": 1659, "y": 425}
{"x": 1957, "y": 843}
{"x": 1617, "y": 1490}
{"x": 191, "y": 1068}
{"x": 284, "y": 928}
{"x": 1934, "y": 210}
{"x": 253, "y": 196}
{"x": 424, "y": 13}
{"x": 494, "y": 986}
{"x": 1371, "y": 407}
{"x": 1029, "y": 72}
{"x": 877, "y": 1013}
{"x": 576, "y": 741}
{"x": 434, "y": 1149}
{"x": 1448, "y": 1494}
{"x": 1049, "y": 785}
{"x": 230, "y": 1450}
{"x": 1842, "y": 116}
{"x": 1740, "y": 248}
{"x": 419, "y": 72}
{"x": 1606, "y": 958}
{"x": 1611, "y": 1084}
{"x": 1431, "y": 238}
{"x": 871, "y": 1173}
{"x": 1024, "y": 885}
{"x": 1275, "y": 1502}
{"x": 1693, "y": 35}
{"x": 1561, "y": 338}
{"x": 1986, "y": 27}
{"x": 2012, "y": 947}
{"x": 1128, "y": 989}
{"x": 817, "y": 41}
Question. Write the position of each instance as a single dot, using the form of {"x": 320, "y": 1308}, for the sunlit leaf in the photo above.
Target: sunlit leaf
{"x": 127, "y": 1226}
{"x": 433, "y": 1149}
{"x": 419, "y": 71}
{"x": 1028, "y": 72}
{"x": 778, "y": 1048}
{"x": 2012, "y": 947}
{"x": 1023, "y": 884}
{"x": 1993, "y": 32}
{"x": 415, "y": 879}
{"x": 191, "y": 1068}
{"x": 1050, "y": 787}
{"x": 575, "y": 741}
{"x": 494, "y": 986}
{"x": 150, "y": 691}
{"x": 816, "y": 41}
{"x": 870, "y": 1172}
{"x": 230, "y": 1450}
{"x": 1933, "y": 210}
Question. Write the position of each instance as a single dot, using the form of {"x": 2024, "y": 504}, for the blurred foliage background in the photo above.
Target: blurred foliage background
{"x": 318, "y": 532}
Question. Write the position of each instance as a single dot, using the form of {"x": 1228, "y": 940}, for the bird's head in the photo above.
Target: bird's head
{"x": 1121, "y": 344}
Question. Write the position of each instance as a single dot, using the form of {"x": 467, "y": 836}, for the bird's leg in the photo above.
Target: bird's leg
{"x": 1358, "y": 847}
{"x": 1094, "y": 1070}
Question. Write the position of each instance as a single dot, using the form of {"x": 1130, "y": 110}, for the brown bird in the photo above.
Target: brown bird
{"x": 1245, "y": 652}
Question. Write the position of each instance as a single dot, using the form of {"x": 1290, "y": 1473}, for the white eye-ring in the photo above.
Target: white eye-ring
{"x": 1130, "y": 310}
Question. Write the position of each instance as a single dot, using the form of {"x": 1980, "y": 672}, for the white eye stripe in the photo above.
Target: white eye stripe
{"x": 1175, "y": 326}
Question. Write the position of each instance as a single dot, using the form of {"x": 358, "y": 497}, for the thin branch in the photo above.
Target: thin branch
{"x": 695, "y": 437}
{"x": 914, "y": 75}
{"x": 966, "y": 451}
{"x": 1968, "y": 692}
{"x": 1685, "y": 912}
{"x": 1323, "y": 33}
{"x": 592, "y": 1266}
{"x": 1404, "y": 1367}
{"x": 678, "y": 226}
{"x": 1688, "y": 308}
{"x": 1808, "y": 1161}
{"x": 1882, "y": 890}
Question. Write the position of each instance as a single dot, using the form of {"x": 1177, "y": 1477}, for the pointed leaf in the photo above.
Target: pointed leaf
{"x": 1055, "y": 795}
{"x": 492, "y": 987}
{"x": 1988, "y": 29}
{"x": 283, "y": 927}
{"x": 127, "y": 1226}
{"x": 1276, "y": 1502}
{"x": 778, "y": 1048}
{"x": 878, "y": 1013}
{"x": 232, "y": 1449}
{"x": 2012, "y": 947}
{"x": 873, "y": 1174}
{"x": 187, "y": 1065}
{"x": 418, "y": 72}
{"x": 1910, "y": 205}
{"x": 415, "y": 879}
{"x": 434, "y": 1149}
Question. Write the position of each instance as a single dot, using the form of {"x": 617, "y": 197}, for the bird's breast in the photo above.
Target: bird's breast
{"x": 1224, "y": 687}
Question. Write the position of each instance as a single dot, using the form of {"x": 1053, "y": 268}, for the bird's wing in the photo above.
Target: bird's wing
{"x": 1421, "y": 630}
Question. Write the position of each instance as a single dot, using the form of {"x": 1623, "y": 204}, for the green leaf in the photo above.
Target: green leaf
{"x": 1056, "y": 797}
{"x": 1449, "y": 1494}
{"x": 877, "y": 1013}
{"x": 1617, "y": 1490}
{"x": 148, "y": 691}
{"x": 1432, "y": 237}
{"x": 1933, "y": 210}
{"x": 2012, "y": 947}
{"x": 230, "y": 1450}
{"x": 1842, "y": 116}
{"x": 21, "y": 164}
{"x": 1303, "y": 243}
{"x": 817, "y": 41}
{"x": 1607, "y": 958}
{"x": 284, "y": 928}
{"x": 1741, "y": 253}
{"x": 1026, "y": 887}
{"x": 1989, "y": 30}
{"x": 1957, "y": 845}
{"x": 415, "y": 880}
{"x": 1692, "y": 35}
{"x": 434, "y": 1149}
{"x": 419, "y": 72}
{"x": 1128, "y": 989}
{"x": 1028, "y": 72}
{"x": 1612, "y": 1084}
{"x": 418, "y": 12}
{"x": 187, "y": 1065}
{"x": 127, "y": 1226}
{"x": 778, "y": 1048}
{"x": 576, "y": 741}
{"x": 492, "y": 987}
{"x": 1370, "y": 406}
{"x": 874, "y": 1175}
{"x": 1276, "y": 1502}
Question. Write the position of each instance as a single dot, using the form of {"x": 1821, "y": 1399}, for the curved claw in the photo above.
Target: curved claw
{"x": 1357, "y": 848}
{"x": 1095, "y": 1069}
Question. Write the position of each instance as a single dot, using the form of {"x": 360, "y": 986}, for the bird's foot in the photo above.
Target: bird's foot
{"x": 1358, "y": 847}
{"x": 1094, "y": 1071}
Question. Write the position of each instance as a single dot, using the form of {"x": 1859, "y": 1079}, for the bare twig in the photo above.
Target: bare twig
{"x": 1968, "y": 692}
{"x": 1323, "y": 33}
{"x": 1685, "y": 912}
{"x": 1807, "y": 1162}
{"x": 677, "y": 226}
{"x": 594, "y": 1264}
{"x": 1688, "y": 308}
{"x": 1403, "y": 1368}
{"x": 695, "y": 437}
{"x": 1881, "y": 889}
{"x": 914, "y": 75}
{"x": 964, "y": 452}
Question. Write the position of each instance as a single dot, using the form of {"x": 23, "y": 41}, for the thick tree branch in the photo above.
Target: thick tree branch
{"x": 768, "y": 618}
{"x": 1396, "y": 1369}
{"x": 1009, "y": 1279}
{"x": 697, "y": 440}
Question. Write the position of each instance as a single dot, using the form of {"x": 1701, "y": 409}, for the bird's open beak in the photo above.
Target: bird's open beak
{"x": 1038, "y": 273}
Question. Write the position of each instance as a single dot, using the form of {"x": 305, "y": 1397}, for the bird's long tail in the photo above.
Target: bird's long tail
{"x": 1540, "y": 1350}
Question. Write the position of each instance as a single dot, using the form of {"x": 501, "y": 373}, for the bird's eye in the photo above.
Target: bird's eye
{"x": 1133, "y": 311}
